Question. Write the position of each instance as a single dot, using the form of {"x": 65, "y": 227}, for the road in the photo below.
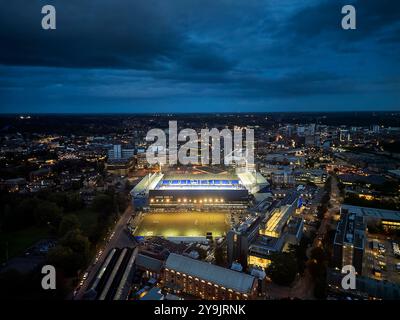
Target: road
{"x": 330, "y": 214}
{"x": 303, "y": 285}
{"x": 118, "y": 238}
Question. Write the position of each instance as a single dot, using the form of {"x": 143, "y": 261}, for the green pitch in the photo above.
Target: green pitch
{"x": 181, "y": 224}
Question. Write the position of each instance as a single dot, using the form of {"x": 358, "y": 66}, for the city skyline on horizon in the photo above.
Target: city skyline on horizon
{"x": 181, "y": 113}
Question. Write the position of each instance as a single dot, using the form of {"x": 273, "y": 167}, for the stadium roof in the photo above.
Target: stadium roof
{"x": 239, "y": 282}
{"x": 200, "y": 176}
{"x": 199, "y": 181}
{"x": 148, "y": 182}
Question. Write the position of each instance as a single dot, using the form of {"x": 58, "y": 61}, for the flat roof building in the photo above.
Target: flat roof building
{"x": 388, "y": 218}
{"x": 239, "y": 240}
{"x": 349, "y": 241}
{"x": 280, "y": 215}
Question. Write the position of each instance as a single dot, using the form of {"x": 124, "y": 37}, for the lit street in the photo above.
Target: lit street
{"x": 119, "y": 238}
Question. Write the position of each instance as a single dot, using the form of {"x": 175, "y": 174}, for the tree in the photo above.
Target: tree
{"x": 283, "y": 268}
{"x": 318, "y": 254}
{"x": 68, "y": 223}
{"x": 19, "y": 214}
{"x": 317, "y": 267}
{"x": 68, "y": 201}
{"x": 77, "y": 242}
{"x": 104, "y": 204}
{"x": 71, "y": 254}
{"x": 320, "y": 288}
{"x": 47, "y": 213}
{"x": 64, "y": 258}
{"x": 299, "y": 252}
{"x": 105, "y": 207}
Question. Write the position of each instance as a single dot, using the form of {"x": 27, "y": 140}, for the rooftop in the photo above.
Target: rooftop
{"x": 369, "y": 286}
{"x": 148, "y": 182}
{"x": 239, "y": 282}
{"x": 153, "y": 294}
{"x": 374, "y": 212}
{"x": 148, "y": 263}
{"x": 351, "y": 229}
{"x": 264, "y": 245}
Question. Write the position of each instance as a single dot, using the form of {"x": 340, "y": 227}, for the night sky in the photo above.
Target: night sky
{"x": 199, "y": 56}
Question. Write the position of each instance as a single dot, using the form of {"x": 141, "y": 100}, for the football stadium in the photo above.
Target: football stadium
{"x": 195, "y": 204}
{"x": 196, "y": 189}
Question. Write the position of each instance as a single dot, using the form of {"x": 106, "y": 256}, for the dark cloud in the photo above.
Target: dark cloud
{"x": 321, "y": 22}
{"x": 250, "y": 52}
{"x": 137, "y": 34}
{"x": 89, "y": 34}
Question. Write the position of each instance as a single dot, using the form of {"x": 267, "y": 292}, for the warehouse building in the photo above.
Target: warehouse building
{"x": 207, "y": 281}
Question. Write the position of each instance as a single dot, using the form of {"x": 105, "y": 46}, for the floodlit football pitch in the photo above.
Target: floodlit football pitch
{"x": 183, "y": 224}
